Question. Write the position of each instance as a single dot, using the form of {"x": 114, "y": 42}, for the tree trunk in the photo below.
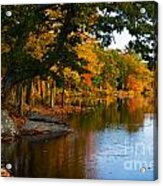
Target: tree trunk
{"x": 19, "y": 98}
{"x": 46, "y": 92}
{"x": 52, "y": 94}
{"x": 32, "y": 93}
{"x": 62, "y": 96}
{"x": 41, "y": 93}
{"x": 28, "y": 92}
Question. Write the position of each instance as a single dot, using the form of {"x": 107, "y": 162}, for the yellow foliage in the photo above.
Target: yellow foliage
{"x": 37, "y": 46}
{"x": 53, "y": 13}
{"x": 71, "y": 75}
{"x": 87, "y": 52}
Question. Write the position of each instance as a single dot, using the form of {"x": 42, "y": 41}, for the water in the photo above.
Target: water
{"x": 112, "y": 141}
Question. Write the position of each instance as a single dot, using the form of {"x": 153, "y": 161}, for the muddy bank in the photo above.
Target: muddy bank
{"x": 36, "y": 125}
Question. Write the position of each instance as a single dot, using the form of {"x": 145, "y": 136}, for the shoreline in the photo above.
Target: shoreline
{"x": 38, "y": 125}
{"x": 43, "y": 120}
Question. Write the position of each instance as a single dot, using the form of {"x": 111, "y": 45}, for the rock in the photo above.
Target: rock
{"x": 34, "y": 116}
{"x": 8, "y": 128}
{"x": 44, "y": 126}
{"x": 36, "y": 125}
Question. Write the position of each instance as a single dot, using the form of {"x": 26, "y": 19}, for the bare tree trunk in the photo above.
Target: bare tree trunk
{"x": 52, "y": 94}
{"x": 46, "y": 92}
{"x": 19, "y": 98}
{"x": 62, "y": 95}
{"x": 41, "y": 93}
{"x": 32, "y": 93}
{"x": 28, "y": 92}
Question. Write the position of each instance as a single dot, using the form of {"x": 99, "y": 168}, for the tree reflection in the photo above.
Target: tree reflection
{"x": 72, "y": 156}
{"x": 118, "y": 113}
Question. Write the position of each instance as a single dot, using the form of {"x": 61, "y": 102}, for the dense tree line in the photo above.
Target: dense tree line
{"x": 58, "y": 49}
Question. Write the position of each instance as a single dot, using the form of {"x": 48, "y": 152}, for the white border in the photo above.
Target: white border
{"x": 59, "y": 182}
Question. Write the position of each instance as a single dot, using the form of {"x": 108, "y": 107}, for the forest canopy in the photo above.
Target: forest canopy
{"x": 62, "y": 50}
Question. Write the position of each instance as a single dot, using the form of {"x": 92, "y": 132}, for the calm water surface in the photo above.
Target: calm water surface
{"x": 114, "y": 140}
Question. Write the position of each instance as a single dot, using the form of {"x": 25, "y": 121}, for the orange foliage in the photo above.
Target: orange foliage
{"x": 88, "y": 79}
{"x": 87, "y": 51}
{"x": 134, "y": 84}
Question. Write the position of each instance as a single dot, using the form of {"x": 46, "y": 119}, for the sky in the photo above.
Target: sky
{"x": 121, "y": 40}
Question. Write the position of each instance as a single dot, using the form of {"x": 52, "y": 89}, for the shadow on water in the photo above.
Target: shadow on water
{"x": 113, "y": 140}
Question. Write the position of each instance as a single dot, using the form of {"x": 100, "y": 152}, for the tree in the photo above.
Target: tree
{"x": 17, "y": 65}
{"x": 139, "y": 18}
{"x": 42, "y": 41}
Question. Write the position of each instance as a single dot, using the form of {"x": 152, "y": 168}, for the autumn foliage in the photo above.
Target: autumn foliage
{"x": 55, "y": 55}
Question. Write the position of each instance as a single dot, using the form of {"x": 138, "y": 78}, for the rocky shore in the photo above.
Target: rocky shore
{"x": 36, "y": 125}
{"x": 9, "y": 130}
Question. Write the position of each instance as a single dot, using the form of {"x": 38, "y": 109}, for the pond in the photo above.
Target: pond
{"x": 114, "y": 140}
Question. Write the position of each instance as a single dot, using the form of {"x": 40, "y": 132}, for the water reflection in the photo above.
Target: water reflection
{"x": 111, "y": 141}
